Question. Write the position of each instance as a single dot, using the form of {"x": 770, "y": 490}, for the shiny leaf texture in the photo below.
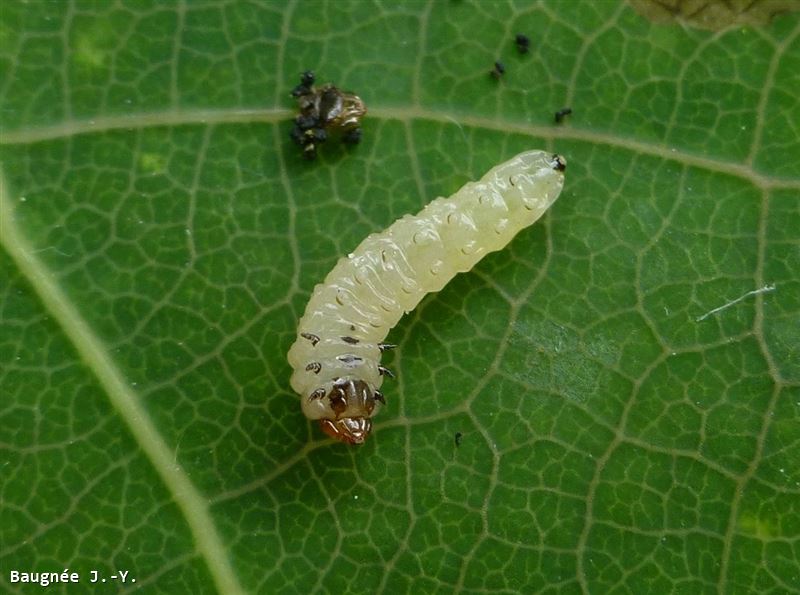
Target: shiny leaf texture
{"x": 624, "y": 377}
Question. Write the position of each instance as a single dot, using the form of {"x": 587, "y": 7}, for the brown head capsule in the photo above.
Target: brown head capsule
{"x": 351, "y": 404}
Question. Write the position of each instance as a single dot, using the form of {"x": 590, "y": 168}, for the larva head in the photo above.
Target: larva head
{"x": 350, "y": 405}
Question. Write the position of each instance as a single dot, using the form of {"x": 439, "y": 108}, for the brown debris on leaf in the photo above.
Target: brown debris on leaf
{"x": 324, "y": 111}
{"x": 713, "y": 15}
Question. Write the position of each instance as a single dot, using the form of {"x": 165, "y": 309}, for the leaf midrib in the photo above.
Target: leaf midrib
{"x": 403, "y": 114}
{"x": 94, "y": 354}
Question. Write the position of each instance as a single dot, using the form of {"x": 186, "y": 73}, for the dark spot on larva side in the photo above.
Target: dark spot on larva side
{"x": 352, "y": 327}
{"x": 350, "y": 340}
{"x": 314, "y": 367}
{"x": 317, "y": 394}
{"x": 313, "y": 338}
{"x": 349, "y": 359}
{"x": 559, "y": 163}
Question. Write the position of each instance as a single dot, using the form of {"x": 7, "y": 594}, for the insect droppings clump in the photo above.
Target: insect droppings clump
{"x": 325, "y": 111}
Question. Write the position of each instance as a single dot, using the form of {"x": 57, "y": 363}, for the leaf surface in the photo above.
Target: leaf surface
{"x": 624, "y": 377}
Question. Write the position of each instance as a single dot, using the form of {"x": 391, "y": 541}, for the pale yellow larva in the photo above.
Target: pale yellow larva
{"x": 336, "y": 357}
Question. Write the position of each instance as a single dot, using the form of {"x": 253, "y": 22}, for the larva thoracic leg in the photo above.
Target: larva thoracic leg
{"x": 336, "y": 357}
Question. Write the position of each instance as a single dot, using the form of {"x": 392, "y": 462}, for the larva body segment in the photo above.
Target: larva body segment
{"x": 336, "y": 357}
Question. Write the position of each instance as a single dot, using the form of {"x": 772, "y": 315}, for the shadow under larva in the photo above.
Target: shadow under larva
{"x": 340, "y": 338}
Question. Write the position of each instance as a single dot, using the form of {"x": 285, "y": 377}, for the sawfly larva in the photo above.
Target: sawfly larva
{"x": 336, "y": 356}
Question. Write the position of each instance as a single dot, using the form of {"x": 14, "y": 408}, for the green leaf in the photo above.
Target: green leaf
{"x": 625, "y": 376}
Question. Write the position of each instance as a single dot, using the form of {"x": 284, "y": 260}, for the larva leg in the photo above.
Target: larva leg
{"x": 386, "y": 346}
{"x": 385, "y": 371}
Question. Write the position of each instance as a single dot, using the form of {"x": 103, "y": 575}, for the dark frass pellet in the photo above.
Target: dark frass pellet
{"x": 562, "y": 113}
{"x": 498, "y": 70}
{"x": 523, "y": 43}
